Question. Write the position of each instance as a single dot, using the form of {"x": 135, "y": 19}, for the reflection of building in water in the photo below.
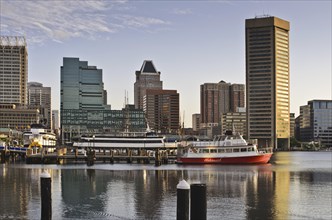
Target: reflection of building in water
{"x": 260, "y": 194}
{"x": 281, "y": 197}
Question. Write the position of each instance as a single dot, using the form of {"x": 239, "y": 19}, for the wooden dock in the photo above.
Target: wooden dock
{"x": 129, "y": 155}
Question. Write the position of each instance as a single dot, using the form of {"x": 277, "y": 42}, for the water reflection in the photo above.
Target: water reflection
{"x": 280, "y": 190}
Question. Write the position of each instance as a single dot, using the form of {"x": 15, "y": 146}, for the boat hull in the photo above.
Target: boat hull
{"x": 256, "y": 159}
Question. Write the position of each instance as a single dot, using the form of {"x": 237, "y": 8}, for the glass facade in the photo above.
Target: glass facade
{"x": 84, "y": 107}
{"x": 321, "y": 121}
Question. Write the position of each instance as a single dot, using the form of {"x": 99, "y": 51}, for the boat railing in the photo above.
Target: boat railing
{"x": 265, "y": 150}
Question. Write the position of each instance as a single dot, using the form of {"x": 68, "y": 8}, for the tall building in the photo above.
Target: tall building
{"x": 40, "y": 98}
{"x": 316, "y": 122}
{"x": 82, "y": 86}
{"x": 267, "y": 81}
{"x": 161, "y": 108}
{"x": 84, "y": 108}
{"x": 237, "y": 97}
{"x": 292, "y": 125}
{"x": 146, "y": 78}
{"x": 13, "y": 70}
{"x": 219, "y": 98}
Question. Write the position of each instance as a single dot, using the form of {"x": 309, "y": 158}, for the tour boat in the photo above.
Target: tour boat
{"x": 125, "y": 141}
{"x": 226, "y": 149}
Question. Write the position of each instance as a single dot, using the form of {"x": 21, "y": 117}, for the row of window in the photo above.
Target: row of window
{"x": 224, "y": 150}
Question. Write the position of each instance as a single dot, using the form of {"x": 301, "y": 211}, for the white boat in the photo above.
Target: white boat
{"x": 39, "y": 135}
{"x": 107, "y": 141}
{"x": 227, "y": 149}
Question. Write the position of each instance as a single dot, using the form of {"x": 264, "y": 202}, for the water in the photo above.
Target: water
{"x": 295, "y": 185}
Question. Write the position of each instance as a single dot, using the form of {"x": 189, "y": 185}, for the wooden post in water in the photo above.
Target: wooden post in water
{"x": 112, "y": 156}
{"x": 90, "y": 159}
{"x": 3, "y": 157}
{"x": 198, "y": 201}
{"x": 46, "y": 195}
{"x": 157, "y": 158}
{"x": 182, "y": 204}
{"x": 129, "y": 159}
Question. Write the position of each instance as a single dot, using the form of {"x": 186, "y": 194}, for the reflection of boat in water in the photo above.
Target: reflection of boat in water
{"x": 227, "y": 149}
{"x": 38, "y": 135}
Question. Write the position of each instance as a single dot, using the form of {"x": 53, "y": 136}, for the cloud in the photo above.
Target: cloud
{"x": 178, "y": 11}
{"x": 44, "y": 20}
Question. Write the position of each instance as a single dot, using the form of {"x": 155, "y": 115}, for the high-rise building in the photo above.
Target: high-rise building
{"x": 316, "y": 122}
{"x": 84, "y": 108}
{"x": 146, "y": 78}
{"x": 292, "y": 125}
{"x": 237, "y": 97}
{"x": 40, "y": 98}
{"x": 161, "y": 108}
{"x": 219, "y": 98}
{"x": 13, "y": 70}
{"x": 82, "y": 86}
{"x": 267, "y": 81}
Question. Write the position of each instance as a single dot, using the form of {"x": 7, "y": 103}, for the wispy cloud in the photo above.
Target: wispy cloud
{"x": 61, "y": 20}
{"x": 178, "y": 11}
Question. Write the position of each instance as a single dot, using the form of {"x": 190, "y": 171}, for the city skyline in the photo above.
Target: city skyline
{"x": 191, "y": 43}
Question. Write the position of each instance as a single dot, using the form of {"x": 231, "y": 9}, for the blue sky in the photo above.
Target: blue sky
{"x": 190, "y": 43}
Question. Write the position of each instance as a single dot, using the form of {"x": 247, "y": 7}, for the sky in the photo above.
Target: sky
{"x": 189, "y": 42}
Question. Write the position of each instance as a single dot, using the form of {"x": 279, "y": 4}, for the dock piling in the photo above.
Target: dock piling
{"x": 198, "y": 201}
{"x": 183, "y": 196}
{"x": 46, "y": 196}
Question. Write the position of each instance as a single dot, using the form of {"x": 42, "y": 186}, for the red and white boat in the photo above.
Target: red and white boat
{"x": 227, "y": 149}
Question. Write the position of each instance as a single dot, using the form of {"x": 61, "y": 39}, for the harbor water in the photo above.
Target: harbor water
{"x": 295, "y": 185}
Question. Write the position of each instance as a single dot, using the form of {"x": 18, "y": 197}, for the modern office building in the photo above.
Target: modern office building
{"x": 267, "y": 81}
{"x": 84, "y": 108}
{"x": 82, "y": 86}
{"x": 162, "y": 110}
{"x": 146, "y": 78}
{"x": 316, "y": 122}
{"x": 13, "y": 70}
{"x": 219, "y": 98}
{"x": 39, "y": 97}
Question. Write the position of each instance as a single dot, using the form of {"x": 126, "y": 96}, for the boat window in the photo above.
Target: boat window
{"x": 236, "y": 150}
{"x": 243, "y": 149}
{"x": 206, "y": 151}
{"x": 213, "y": 151}
{"x": 221, "y": 150}
{"x": 250, "y": 149}
{"x": 229, "y": 150}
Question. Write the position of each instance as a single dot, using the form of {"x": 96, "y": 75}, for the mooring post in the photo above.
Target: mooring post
{"x": 46, "y": 195}
{"x": 157, "y": 161}
{"x": 198, "y": 201}
{"x": 183, "y": 196}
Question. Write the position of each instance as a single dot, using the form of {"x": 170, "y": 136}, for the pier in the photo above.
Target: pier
{"x": 63, "y": 155}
